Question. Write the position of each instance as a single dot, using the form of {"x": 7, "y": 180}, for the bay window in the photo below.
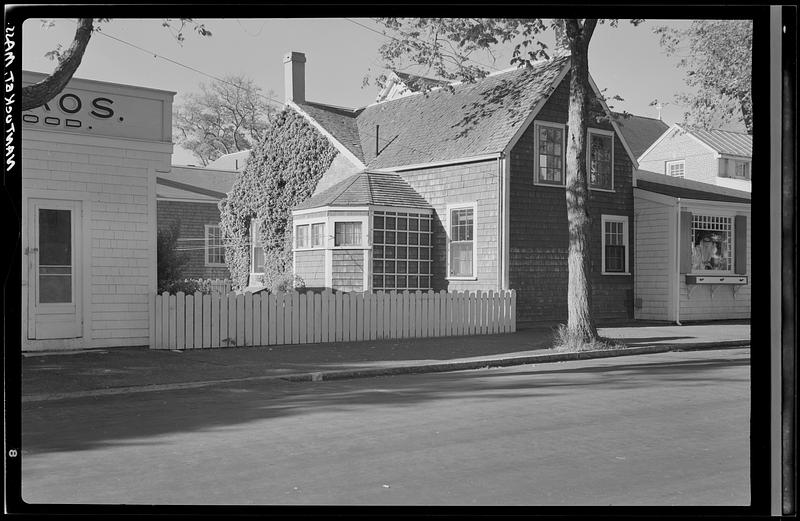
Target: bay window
{"x": 347, "y": 233}
{"x": 301, "y": 236}
{"x": 401, "y": 251}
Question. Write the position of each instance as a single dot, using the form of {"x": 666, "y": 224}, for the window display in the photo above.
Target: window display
{"x": 712, "y": 243}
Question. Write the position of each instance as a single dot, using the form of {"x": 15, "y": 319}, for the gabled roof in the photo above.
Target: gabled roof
{"x": 724, "y": 141}
{"x": 365, "y": 189}
{"x": 200, "y": 184}
{"x": 687, "y": 189}
{"x": 639, "y": 131}
{"x": 475, "y": 119}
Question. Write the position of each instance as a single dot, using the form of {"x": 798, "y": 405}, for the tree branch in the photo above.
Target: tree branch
{"x": 40, "y": 93}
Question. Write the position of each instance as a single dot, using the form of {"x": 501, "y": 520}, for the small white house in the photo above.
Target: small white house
{"x": 692, "y": 250}
{"x": 89, "y": 163}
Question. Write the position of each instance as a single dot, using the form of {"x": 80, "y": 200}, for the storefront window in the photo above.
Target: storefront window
{"x": 712, "y": 243}
{"x": 401, "y": 251}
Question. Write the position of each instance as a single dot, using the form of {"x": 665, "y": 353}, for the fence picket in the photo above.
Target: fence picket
{"x": 215, "y": 320}
{"x": 302, "y": 311}
{"x": 212, "y": 320}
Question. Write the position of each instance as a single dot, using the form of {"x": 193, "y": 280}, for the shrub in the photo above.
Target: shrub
{"x": 282, "y": 171}
{"x": 169, "y": 261}
{"x": 565, "y": 342}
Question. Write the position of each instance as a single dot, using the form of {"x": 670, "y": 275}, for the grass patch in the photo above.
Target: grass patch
{"x": 564, "y": 342}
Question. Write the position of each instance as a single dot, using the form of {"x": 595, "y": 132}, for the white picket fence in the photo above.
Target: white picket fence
{"x": 207, "y": 321}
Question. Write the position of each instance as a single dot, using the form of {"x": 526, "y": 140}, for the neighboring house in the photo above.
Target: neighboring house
{"x": 187, "y": 198}
{"x": 718, "y": 157}
{"x": 640, "y": 131}
{"x": 234, "y": 161}
{"x": 464, "y": 190}
{"x": 692, "y": 250}
{"x": 90, "y": 158}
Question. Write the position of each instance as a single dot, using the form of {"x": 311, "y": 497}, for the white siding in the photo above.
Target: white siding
{"x": 653, "y": 259}
{"x": 115, "y": 181}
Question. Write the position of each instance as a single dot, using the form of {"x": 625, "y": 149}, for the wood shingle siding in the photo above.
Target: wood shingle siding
{"x": 348, "y": 270}
{"x": 539, "y": 234}
{"x": 310, "y": 266}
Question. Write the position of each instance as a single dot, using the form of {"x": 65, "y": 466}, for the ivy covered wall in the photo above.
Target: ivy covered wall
{"x": 282, "y": 171}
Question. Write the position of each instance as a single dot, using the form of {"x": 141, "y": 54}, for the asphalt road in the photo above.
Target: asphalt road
{"x": 665, "y": 429}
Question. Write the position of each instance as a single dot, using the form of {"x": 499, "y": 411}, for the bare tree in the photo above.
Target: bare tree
{"x": 227, "y": 116}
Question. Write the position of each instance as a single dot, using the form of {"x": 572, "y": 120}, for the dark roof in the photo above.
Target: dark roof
{"x": 367, "y": 188}
{"x": 639, "y": 131}
{"x": 688, "y": 189}
{"x": 725, "y": 141}
{"x": 472, "y": 120}
{"x": 339, "y": 121}
{"x": 194, "y": 183}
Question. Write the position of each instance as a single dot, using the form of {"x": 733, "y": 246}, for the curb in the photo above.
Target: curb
{"x": 318, "y": 376}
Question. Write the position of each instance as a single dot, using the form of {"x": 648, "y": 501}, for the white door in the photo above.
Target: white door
{"x": 53, "y": 254}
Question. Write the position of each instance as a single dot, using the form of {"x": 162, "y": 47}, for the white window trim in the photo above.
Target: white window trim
{"x": 460, "y": 206}
{"x": 667, "y": 164}
{"x": 625, "y": 234}
{"x": 732, "y": 260}
{"x": 536, "y": 126}
{"x": 300, "y": 248}
{"x": 311, "y": 235}
{"x": 599, "y": 132}
{"x": 365, "y": 242}
{"x": 207, "y": 249}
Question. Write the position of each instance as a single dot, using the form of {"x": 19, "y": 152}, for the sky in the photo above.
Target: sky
{"x": 626, "y": 61}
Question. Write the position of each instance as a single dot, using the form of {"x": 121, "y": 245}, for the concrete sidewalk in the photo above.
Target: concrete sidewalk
{"x": 48, "y": 376}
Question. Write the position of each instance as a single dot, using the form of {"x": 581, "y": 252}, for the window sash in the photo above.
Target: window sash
{"x": 716, "y": 256}
{"x": 615, "y": 245}
{"x": 550, "y": 154}
{"x": 462, "y": 243}
{"x": 301, "y": 236}
{"x": 676, "y": 169}
{"x": 601, "y": 161}
{"x": 317, "y": 235}
{"x": 215, "y": 248}
{"x": 347, "y": 233}
{"x": 401, "y": 257}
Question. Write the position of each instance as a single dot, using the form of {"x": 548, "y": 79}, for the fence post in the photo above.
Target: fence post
{"x": 302, "y": 318}
{"x": 206, "y": 321}
{"x": 197, "y": 321}
{"x": 223, "y": 321}
{"x": 325, "y": 299}
{"x": 280, "y": 319}
{"x": 159, "y": 341}
{"x": 180, "y": 316}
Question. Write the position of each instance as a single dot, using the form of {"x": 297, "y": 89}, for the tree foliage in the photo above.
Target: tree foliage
{"x": 718, "y": 58}
{"x": 225, "y": 116}
{"x": 283, "y": 170}
{"x": 39, "y": 93}
{"x": 447, "y": 47}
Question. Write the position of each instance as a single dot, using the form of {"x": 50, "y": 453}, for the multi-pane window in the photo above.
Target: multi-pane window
{"x": 347, "y": 234}
{"x": 549, "y": 154}
{"x": 215, "y": 249}
{"x": 712, "y": 243}
{"x": 401, "y": 251}
{"x": 601, "y": 160}
{"x": 256, "y": 250}
{"x": 301, "y": 236}
{"x": 742, "y": 169}
{"x": 317, "y": 235}
{"x": 462, "y": 242}
{"x": 676, "y": 168}
{"x": 615, "y": 240}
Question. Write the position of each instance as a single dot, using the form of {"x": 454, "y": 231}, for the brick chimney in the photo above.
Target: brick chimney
{"x": 294, "y": 76}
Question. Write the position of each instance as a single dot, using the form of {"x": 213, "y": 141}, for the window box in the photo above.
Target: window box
{"x": 715, "y": 279}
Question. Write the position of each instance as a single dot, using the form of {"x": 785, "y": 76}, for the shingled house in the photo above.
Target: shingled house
{"x": 463, "y": 189}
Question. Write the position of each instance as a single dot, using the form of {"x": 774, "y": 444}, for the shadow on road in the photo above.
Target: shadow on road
{"x": 139, "y": 419}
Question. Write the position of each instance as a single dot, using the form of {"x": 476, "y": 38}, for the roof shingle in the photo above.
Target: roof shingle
{"x": 367, "y": 188}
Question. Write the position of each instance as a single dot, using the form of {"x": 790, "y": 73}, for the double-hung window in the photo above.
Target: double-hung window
{"x": 675, "y": 168}
{"x": 615, "y": 244}
{"x": 301, "y": 236}
{"x": 549, "y": 155}
{"x": 256, "y": 250}
{"x": 461, "y": 245}
{"x": 347, "y": 234}
{"x": 600, "y": 158}
{"x": 215, "y": 249}
{"x": 317, "y": 235}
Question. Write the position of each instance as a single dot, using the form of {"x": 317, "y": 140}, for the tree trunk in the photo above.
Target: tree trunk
{"x": 40, "y": 93}
{"x": 579, "y": 292}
